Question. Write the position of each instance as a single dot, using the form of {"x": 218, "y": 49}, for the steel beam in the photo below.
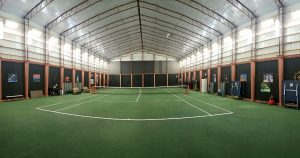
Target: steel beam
{"x": 279, "y": 3}
{"x": 178, "y": 43}
{"x": 179, "y": 16}
{"x": 106, "y": 27}
{"x": 101, "y": 39}
{"x": 178, "y": 37}
{"x": 99, "y": 17}
{"x": 175, "y": 28}
{"x": 114, "y": 43}
{"x": 203, "y": 9}
{"x": 140, "y": 22}
{"x": 76, "y": 9}
{"x": 240, "y": 6}
{"x": 2, "y": 2}
{"x": 36, "y": 9}
{"x": 113, "y": 39}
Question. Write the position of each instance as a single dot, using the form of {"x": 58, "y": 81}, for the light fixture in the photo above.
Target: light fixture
{"x": 67, "y": 46}
{"x": 215, "y": 46}
{"x": 34, "y": 33}
{"x": 11, "y": 24}
{"x": 168, "y": 35}
{"x": 245, "y": 32}
{"x": 296, "y": 14}
{"x": 1, "y": 30}
{"x": 228, "y": 40}
{"x": 267, "y": 23}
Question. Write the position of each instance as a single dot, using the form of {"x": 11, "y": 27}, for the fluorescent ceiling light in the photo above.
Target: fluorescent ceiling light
{"x": 227, "y": 40}
{"x": 296, "y": 14}
{"x": 268, "y": 23}
{"x": 11, "y": 24}
{"x": 245, "y": 32}
{"x": 34, "y": 33}
{"x": 215, "y": 45}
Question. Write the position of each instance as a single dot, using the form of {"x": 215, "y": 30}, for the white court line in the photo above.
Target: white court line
{"x": 65, "y": 102}
{"x": 210, "y": 104}
{"x": 80, "y": 103}
{"x": 123, "y": 119}
{"x": 190, "y": 103}
{"x": 106, "y": 101}
{"x": 137, "y": 99}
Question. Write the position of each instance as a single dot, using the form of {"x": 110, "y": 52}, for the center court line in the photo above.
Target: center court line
{"x": 137, "y": 99}
{"x": 190, "y": 103}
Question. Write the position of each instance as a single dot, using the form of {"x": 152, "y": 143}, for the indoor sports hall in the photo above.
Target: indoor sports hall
{"x": 149, "y": 78}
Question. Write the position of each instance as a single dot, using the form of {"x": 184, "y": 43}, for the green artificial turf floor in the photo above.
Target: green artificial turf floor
{"x": 149, "y": 125}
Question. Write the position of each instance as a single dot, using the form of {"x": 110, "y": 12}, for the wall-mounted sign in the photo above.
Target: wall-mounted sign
{"x": 268, "y": 78}
{"x": 243, "y": 77}
{"x": 67, "y": 79}
{"x": 12, "y": 78}
{"x": 36, "y": 78}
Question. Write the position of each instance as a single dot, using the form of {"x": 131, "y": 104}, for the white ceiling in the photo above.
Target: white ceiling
{"x": 117, "y": 31}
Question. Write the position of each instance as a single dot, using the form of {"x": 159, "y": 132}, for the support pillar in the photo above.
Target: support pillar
{"x": 73, "y": 78}
{"x": 46, "y": 79}
{"x": 107, "y": 80}
{"x": 280, "y": 77}
{"x": 0, "y": 80}
{"x": 95, "y": 79}
{"x": 219, "y": 77}
{"x": 200, "y": 82}
{"x": 233, "y": 72}
{"x": 120, "y": 80}
{"x": 208, "y": 77}
{"x": 62, "y": 72}
{"x": 89, "y": 80}
{"x": 82, "y": 78}
{"x": 131, "y": 80}
{"x": 253, "y": 71}
{"x": 26, "y": 79}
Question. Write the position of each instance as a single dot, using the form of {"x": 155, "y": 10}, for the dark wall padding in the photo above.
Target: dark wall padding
{"x": 126, "y": 80}
{"x": 261, "y": 69}
{"x": 212, "y": 72}
{"x": 86, "y": 79}
{"x": 78, "y": 75}
{"x": 137, "y": 81}
{"x": 204, "y": 74}
{"x": 148, "y": 66}
{"x": 125, "y": 67}
{"x": 173, "y": 79}
{"x": 68, "y": 73}
{"x": 137, "y": 67}
{"x": 148, "y": 80}
{"x": 226, "y": 74}
{"x": 160, "y": 79}
{"x": 245, "y": 69}
{"x": 36, "y": 85}
{"x": 291, "y": 66}
{"x": 17, "y": 88}
{"x": 102, "y": 80}
{"x": 198, "y": 75}
{"x": 54, "y": 76}
{"x": 114, "y": 80}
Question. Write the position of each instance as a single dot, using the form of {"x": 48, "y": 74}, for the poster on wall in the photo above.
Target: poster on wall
{"x": 265, "y": 87}
{"x": 77, "y": 79}
{"x": 67, "y": 79}
{"x": 92, "y": 81}
{"x": 243, "y": 77}
{"x": 215, "y": 77}
{"x": 268, "y": 78}
{"x": 12, "y": 78}
{"x": 36, "y": 78}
